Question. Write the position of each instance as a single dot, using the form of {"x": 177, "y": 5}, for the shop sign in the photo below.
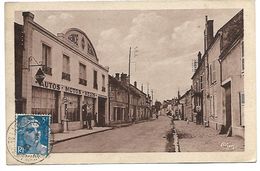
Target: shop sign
{"x": 89, "y": 94}
{"x": 58, "y": 87}
{"x": 50, "y": 85}
{"x": 39, "y": 76}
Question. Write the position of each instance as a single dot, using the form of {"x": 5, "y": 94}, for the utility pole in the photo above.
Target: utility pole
{"x": 152, "y": 95}
{"x": 129, "y": 66}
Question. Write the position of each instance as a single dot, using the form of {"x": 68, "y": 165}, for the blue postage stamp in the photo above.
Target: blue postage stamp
{"x": 32, "y": 134}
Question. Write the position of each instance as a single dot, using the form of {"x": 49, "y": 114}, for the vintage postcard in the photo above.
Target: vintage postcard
{"x": 130, "y": 82}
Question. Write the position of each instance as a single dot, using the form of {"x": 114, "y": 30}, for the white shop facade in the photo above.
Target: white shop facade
{"x": 72, "y": 76}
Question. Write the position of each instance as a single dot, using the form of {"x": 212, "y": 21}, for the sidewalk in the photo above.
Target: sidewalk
{"x": 197, "y": 138}
{"x": 60, "y": 137}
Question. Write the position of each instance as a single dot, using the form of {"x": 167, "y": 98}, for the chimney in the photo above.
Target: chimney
{"x": 135, "y": 84}
{"x": 117, "y": 76}
{"x": 199, "y": 58}
{"x": 142, "y": 88}
{"x": 124, "y": 78}
{"x": 208, "y": 33}
{"x": 28, "y": 16}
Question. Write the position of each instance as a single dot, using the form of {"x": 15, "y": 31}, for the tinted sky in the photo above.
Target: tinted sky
{"x": 167, "y": 41}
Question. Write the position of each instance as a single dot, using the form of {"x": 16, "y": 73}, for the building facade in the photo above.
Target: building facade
{"x": 198, "y": 91}
{"x": 185, "y": 100}
{"x": 127, "y": 102}
{"x": 58, "y": 74}
{"x": 232, "y": 78}
{"x": 218, "y": 82}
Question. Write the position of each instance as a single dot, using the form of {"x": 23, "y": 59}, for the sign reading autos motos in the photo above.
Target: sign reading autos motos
{"x": 39, "y": 76}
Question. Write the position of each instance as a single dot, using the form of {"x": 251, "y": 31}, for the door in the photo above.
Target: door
{"x": 101, "y": 111}
{"x": 228, "y": 105}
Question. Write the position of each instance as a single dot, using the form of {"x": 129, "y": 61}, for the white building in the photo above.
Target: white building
{"x": 73, "y": 75}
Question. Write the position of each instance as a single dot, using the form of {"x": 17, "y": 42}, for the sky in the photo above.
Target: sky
{"x": 163, "y": 42}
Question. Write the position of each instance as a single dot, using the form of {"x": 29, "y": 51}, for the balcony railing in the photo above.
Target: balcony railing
{"x": 47, "y": 70}
{"x": 103, "y": 89}
{"x": 65, "y": 76}
{"x": 82, "y": 81}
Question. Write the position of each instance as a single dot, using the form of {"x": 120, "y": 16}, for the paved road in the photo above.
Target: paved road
{"x": 141, "y": 137}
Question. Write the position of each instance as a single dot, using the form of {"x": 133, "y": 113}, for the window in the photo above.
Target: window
{"x": 46, "y": 59}
{"x": 241, "y": 105}
{"x": 210, "y": 73}
{"x": 95, "y": 85}
{"x": 201, "y": 82}
{"x": 66, "y": 68}
{"x": 212, "y": 106}
{"x": 103, "y": 83}
{"x": 242, "y": 58}
{"x": 82, "y": 74}
{"x": 212, "y": 70}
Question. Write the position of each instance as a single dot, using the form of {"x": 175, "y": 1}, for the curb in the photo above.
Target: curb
{"x": 70, "y": 138}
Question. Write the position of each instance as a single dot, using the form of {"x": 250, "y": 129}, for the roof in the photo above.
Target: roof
{"x": 185, "y": 94}
{"x": 215, "y": 38}
{"x": 230, "y": 47}
{"x": 116, "y": 82}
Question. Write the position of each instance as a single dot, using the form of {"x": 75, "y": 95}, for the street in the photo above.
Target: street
{"x": 151, "y": 136}
{"x": 141, "y": 137}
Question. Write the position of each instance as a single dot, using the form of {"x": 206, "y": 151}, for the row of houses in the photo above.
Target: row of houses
{"x": 58, "y": 74}
{"x": 216, "y": 98}
{"x": 127, "y": 102}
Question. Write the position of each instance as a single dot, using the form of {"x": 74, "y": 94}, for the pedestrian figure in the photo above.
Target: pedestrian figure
{"x": 84, "y": 113}
{"x": 89, "y": 117}
{"x": 133, "y": 119}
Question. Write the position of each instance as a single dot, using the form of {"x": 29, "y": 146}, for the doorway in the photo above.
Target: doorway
{"x": 101, "y": 111}
{"x": 228, "y": 106}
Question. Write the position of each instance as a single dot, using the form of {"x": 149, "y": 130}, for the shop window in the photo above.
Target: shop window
{"x": 103, "y": 83}
{"x": 46, "y": 59}
{"x": 73, "y": 107}
{"x": 45, "y": 101}
{"x": 95, "y": 85}
{"x": 114, "y": 113}
{"x": 82, "y": 74}
{"x": 66, "y": 68}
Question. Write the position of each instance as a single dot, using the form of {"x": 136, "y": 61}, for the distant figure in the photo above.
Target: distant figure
{"x": 89, "y": 117}
{"x": 84, "y": 113}
{"x": 95, "y": 118}
{"x": 133, "y": 119}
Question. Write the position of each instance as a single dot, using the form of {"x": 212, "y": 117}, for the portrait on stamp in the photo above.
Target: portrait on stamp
{"x": 32, "y": 134}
